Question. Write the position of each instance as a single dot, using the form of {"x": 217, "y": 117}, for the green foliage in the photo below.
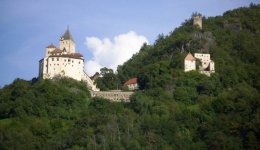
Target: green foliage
{"x": 108, "y": 80}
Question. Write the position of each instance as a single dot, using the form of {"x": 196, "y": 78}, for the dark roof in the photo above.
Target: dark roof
{"x": 67, "y": 35}
{"x": 56, "y": 51}
{"x": 51, "y": 46}
{"x": 131, "y": 81}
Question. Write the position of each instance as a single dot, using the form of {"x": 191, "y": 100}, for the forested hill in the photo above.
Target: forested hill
{"x": 173, "y": 109}
{"x": 231, "y": 39}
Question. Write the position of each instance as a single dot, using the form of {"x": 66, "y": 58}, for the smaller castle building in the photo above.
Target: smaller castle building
{"x": 200, "y": 62}
{"x": 131, "y": 84}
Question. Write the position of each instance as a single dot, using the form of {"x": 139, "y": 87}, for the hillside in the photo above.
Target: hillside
{"x": 173, "y": 109}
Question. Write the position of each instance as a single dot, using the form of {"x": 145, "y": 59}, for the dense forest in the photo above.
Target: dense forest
{"x": 172, "y": 109}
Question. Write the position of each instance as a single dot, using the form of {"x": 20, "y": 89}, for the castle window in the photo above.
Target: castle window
{"x": 68, "y": 60}
{"x": 57, "y": 59}
{"x": 52, "y": 59}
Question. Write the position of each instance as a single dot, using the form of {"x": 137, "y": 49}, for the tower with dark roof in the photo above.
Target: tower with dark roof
{"x": 67, "y": 43}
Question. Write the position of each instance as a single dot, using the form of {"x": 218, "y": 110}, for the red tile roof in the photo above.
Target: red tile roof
{"x": 131, "y": 81}
{"x": 189, "y": 57}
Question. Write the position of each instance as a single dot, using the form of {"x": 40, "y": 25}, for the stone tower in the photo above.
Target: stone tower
{"x": 197, "y": 20}
{"x": 67, "y": 43}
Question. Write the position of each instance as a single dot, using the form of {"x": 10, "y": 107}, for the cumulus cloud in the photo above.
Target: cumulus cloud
{"x": 111, "y": 53}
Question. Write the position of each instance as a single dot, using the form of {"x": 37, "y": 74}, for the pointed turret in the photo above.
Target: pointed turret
{"x": 67, "y": 35}
{"x": 67, "y": 42}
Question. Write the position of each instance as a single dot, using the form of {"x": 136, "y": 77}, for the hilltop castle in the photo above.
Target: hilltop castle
{"x": 200, "y": 61}
{"x": 64, "y": 61}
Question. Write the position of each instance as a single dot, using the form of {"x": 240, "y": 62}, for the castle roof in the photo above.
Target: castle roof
{"x": 51, "y": 46}
{"x": 131, "y": 81}
{"x": 71, "y": 55}
{"x": 189, "y": 57}
{"x": 57, "y": 50}
{"x": 67, "y": 35}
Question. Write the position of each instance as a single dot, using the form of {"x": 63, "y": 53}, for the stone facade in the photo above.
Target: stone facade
{"x": 115, "y": 96}
{"x": 64, "y": 62}
{"x": 197, "y": 20}
{"x": 204, "y": 64}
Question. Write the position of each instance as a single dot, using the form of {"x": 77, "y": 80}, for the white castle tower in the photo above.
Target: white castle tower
{"x": 64, "y": 62}
{"x": 189, "y": 63}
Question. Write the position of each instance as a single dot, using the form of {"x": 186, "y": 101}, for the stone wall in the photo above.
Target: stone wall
{"x": 116, "y": 96}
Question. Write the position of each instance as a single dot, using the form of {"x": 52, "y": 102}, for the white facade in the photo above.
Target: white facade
{"x": 133, "y": 86}
{"x": 189, "y": 63}
{"x": 206, "y": 65}
{"x": 64, "y": 63}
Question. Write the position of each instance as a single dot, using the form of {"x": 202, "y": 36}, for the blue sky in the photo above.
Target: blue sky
{"x": 28, "y": 26}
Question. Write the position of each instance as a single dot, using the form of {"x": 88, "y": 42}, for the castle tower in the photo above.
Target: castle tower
{"x": 49, "y": 49}
{"x": 189, "y": 63}
{"x": 67, "y": 43}
{"x": 197, "y": 20}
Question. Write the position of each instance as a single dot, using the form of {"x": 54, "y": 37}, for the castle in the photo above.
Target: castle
{"x": 64, "y": 62}
{"x": 201, "y": 62}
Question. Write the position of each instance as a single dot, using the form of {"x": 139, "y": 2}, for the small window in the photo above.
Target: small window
{"x": 57, "y": 59}
{"x": 72, "y": 61}
{"x": 68, "y": 60}
{"x": 52, "y": 59}
{"x": 79, "y": 62}
{"x": 65, "y": 60}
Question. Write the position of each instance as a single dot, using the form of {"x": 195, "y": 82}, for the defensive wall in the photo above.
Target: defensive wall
{"x": 116, "y": 96}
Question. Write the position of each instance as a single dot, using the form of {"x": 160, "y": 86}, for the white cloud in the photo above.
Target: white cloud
{"x": 111, "y": 53}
